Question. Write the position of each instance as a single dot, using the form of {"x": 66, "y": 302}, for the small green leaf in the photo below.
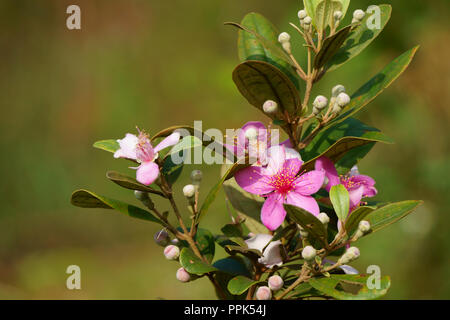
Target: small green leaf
{"x": 130, "y": 183}
{"x": 193, "y": 264}
{"x": 350, "y": 287}
{"x": 172, "y": 170}
{"x": 233, "y": 265}
{"x": 359, "y": 38}
{"x": 110, "y": 145}
{"x": 376, "y": 85}
{"x": 259, "y": 81}
{"x": 330, "y": 46}
{"x": 308, "y": 222}
{"x": 232, "y": 230}
{"x": 252, "y": 254}
{"x": 390, "y": 213}
{"x": 89, "y": 199}
{"x": 341, "y": 201}
{"x": 240, "y": 284}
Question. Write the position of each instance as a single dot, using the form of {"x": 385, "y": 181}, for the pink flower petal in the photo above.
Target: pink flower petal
{"x": 325, "y": 164}
{"x": 277, "y": 156}
{"x": 310, "y": 182}
{"x": 287, "y": 143}
{"x": 258, "y": 126}
{"x": 272, "y": 212}
{"x": 147, "y": 173}
{"x": 363, "y": 179}
{"x": 252, "y": 180}
{"x": 292, "y": 166}
{"x": 168, "y": 142}
{"x": 127, "y": 147}
{"x": 355, "y": 196}
{"x": 305, "y": 202}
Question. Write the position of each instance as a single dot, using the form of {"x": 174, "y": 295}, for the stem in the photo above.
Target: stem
{"x": 303, "y": 276}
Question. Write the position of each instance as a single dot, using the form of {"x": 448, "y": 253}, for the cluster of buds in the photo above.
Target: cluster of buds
{"x": 350, "y": 254}
{"x": 339, "y": 99}
{"x": 274, "y": 282}
{"x": 363, "y": 228}
{"x": 358, "y": 15}
{"x": 285, "y": 39}
{"x": 305, "y": 20}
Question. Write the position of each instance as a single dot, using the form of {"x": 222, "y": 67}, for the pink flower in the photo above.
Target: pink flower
{"x": 280, "y": 183}
{"x": 259, "y": 145}
{"x": 358, "y": 186}
{"x": 140, "y": 149}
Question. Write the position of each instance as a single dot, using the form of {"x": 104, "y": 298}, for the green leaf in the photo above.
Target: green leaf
{"x": 258, "y": 40}
{"x": 390, "y": 213}
{"x": 252, "y": 254}
{"x": 324, "y": 13}
{"x": 186, "y": 143}
{"x": 330, "y": 46}
{"x": 341, "y": 201}
{"x": 130, "y": 183}
{"x": 213, "y": 193}
{"x": 334, "y": 142}
{"x": 350, "y": 287}
{"x": 89, "y": 199}
{"x": 351, "y": 224}
{"x": 359, "y": 39}
{"x": 308, "y": 222}
{"x": 376, "y": 85}
{"x": 172, "y": 170}
{"x": 310, "y": 7}
{"x": 193, "y": 264}
{"x": 259, "y": 81}
{"x": 204, "y": 241}
{"x": 247, "y": 205}
{"x": 110, "y": 145}
{"x": 232, "y": 230}
{"x": 303, "y": 290}
{"x": 234, "y": 266}
{"x": 240, "y": 284}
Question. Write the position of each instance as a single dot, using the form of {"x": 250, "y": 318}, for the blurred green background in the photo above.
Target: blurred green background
{"x": 159, "y": 63}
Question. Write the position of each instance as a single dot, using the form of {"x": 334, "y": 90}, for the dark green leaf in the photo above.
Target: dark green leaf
{"x": 172, "y": 170}
{"x": 234, "y": 266}
{"x": 341, "y": 201}
{"x": 351, "y": 224}
{"x": 193, "y": 264}
{"x": 232, "y": 230}
{"x": 240, "y": 284}
{"x": 359, "y": 39}
{"x": 259, "y": 81}
{"x": 205, "y": 242}
{"x": 308, "y": 222}
{"x": 330, "y": 46}
{"x": 129, "y": 182}
{"x": 89, "y": 199}
{"x": 252, "y": 254}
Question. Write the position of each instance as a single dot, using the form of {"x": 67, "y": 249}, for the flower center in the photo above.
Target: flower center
{"x": 283, "y": 181}
{"x": 144, "y": 149}
{"x": 349, "y": 183}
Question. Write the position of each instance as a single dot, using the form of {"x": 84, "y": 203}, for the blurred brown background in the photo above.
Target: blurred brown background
{"x": 159, "y": 63}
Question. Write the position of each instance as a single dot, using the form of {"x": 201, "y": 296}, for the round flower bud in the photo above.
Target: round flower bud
{"x": 351, "y": 254}
{"x": 175, "y": 241}
{"x": 251, "y": 134}
{"x": 284, "y": 37}
{"x": 307, "y": 21}
{"x": 358, "y": 14}
{"x": 171, "y": 252}
{"x": 364, "y": 226}
{"x": 270, "y": 106}
{"x": 263, "y": 293}
{"x": 196, "y": 176}
{"x": 302, "y": 14}
{"x": 337, "y": 15}
{"x": 141, "y": 195}
{"x": 183, "y": 275}
{"x": 189, "y": 190}
{"x": 323, "y": 217}
{"x": 343, "y": 99}
{"x": 308, "y": 253}
{"x": 161, "y": 238}
{"x": 320, "y": 102}
{"x": 275, "y": 283}
{"x": 337, "y": 90}
{"x": 315, "y": 111}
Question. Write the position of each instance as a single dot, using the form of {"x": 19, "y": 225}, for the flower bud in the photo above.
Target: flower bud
{"x": 308, "y": 253}
{"x": 303, "y": 233}
{"x": 196, "y": 177}
{"x": 270, "y": 106}
{"x": 175, "y": 241}
{"x": 275, "y": 283}
{"x": 320, "y": 102}
{"x": 307, "y": 21}
{"x": 315, "y": 111}
{"x": 189, "y": 190}
{"x": 183, "y": 275}
{"x": 323, "y": 217}
{"x": 161, "y": 238}
{"x": 251, "y": 134}
{"x": 284, "y": 37}
{"x": 351, "y": 254}
{"x": 337, "y": 15}
{"x": 358, "y": 15}
{"x": 343, "y": 99}
{"x": 337, "y": 90}
{"x": 364, "y": 226}
{"x": 302, "y": 14}
{"x": 336, "y": 108}
{"x": 263, "y": 293}
{"x": 144, "y": 198}
{"x": 171, "y": 252}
